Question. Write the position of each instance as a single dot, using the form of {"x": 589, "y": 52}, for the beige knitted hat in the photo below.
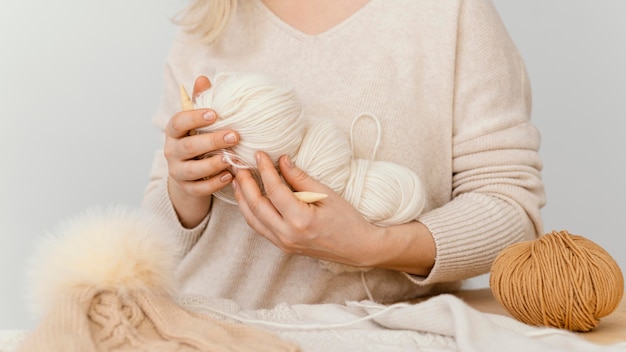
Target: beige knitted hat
{"x": 106, "y": 283}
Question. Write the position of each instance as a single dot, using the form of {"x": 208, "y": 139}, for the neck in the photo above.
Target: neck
{"x": 314, "y": 16}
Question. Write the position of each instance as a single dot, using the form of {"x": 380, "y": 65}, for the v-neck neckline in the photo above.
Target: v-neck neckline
{"x": 295, "y": 32}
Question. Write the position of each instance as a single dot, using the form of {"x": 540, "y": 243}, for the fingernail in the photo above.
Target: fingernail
{"x": 226, "y": 177}
{"x": 230, "y": 138}
{"x": 288, "y": 162}
{"x": 257, "y": 157}
{"x": 234, "y": 184}
{"x": 209, "y": 115}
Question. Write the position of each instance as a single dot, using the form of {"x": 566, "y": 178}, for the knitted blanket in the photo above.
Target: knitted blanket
{"x": 442, "y": 323}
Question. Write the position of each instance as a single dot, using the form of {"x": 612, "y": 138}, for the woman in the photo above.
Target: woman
{"x": 453, "y": 100}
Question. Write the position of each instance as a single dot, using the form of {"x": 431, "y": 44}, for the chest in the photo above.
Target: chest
{"x": 401, "y": 77}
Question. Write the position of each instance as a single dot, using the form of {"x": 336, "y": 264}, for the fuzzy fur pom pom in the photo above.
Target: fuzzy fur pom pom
{"x": 112, "y": 249}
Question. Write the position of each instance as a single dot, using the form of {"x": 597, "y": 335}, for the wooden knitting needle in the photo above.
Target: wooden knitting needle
{"x": 186, "y": 104}
{"x": 185, "y": 100}
{"x": 307, "y": 197}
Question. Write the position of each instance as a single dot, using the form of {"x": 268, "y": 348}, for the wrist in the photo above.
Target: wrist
{"x": 407, "y": 247}
{"x": 191, "y": 210}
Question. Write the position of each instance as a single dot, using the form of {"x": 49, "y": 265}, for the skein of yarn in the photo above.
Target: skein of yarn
{"x": 560, "y": 280}
{"x": 269, "y": 117}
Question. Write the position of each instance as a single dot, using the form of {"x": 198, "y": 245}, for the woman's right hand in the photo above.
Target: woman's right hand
{"x": 192, "y": 177}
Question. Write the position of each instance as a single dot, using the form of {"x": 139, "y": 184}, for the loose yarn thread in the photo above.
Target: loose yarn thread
{"x": 559, "y": 280}
{"x": 269, "y": 117}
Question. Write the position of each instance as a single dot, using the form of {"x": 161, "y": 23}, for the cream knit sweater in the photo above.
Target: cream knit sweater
{"x": 453, "y": 99}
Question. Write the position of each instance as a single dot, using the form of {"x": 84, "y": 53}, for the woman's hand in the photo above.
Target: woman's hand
{"x": 193, "y": 179}
{"x": 330, "y": 229}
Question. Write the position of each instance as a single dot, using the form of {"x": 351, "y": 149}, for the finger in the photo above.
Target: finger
{"x": 185, "y": 121}
{"x": 259, "y": 205}
{"x": 280, "y": 194}
{"x": 193, "y": 170}
{"x": 247, "y": 213}
{"x": 195, "y": 146}
{"x": 201, "y": 85}
{"x": 208, "y": 186}
{"x": 258, "y": 211}
{"x": 265, "y": 217}
{"x": 275, "y": 189}
{"x": 298, "y": 179}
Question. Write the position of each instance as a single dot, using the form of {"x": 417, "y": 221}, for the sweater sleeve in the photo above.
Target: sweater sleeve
{"x": 156, "y": 198}
{"x": 497, "y": 191}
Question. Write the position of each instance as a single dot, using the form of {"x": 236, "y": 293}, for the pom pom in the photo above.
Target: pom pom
{"x": 560, "y": 280}
{"x": 110, "y": 250}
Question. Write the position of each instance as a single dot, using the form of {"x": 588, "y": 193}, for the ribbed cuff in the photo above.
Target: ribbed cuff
{"x": 158, "y": 202}
{"x": 469, "y": 233}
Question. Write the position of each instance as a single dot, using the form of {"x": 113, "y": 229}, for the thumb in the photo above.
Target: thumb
{"x": 298, "y": 179}
{"x": 201, "y": 84}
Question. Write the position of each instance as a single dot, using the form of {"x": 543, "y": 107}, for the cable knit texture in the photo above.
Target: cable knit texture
{"x": 453, "y": 99}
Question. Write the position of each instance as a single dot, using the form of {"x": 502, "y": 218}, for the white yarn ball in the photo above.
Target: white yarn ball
{"x": 266, "y": 114}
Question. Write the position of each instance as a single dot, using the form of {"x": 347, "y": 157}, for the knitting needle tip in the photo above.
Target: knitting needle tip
{"x": 309, "y": 197}
{"x": 185, "y": 99}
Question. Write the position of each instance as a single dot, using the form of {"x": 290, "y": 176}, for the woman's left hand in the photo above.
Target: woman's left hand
{"x": 330, "y": 229}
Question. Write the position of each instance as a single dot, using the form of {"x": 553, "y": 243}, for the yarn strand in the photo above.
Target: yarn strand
{"x": 378, "y": 132}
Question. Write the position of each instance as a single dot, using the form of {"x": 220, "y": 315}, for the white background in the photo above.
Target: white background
{"x": 80, "y": 79}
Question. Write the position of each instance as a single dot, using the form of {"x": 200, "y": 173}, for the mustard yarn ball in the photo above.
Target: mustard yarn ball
{"x": 560, "y": 280}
